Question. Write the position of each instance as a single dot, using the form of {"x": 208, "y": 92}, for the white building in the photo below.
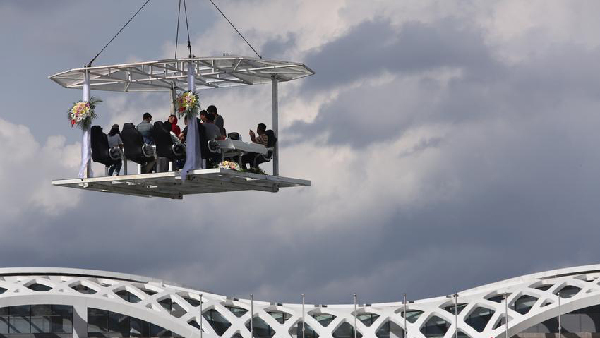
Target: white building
{"x": 61, "y": 303}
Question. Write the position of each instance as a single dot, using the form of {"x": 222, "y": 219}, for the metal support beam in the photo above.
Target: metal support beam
{"x": 275, "y": 127}
{"x": 80, "y": 321}
{"x": 86, "y": 98}
{"x": 191, "y": 77}
{"x": 173, "y": 100}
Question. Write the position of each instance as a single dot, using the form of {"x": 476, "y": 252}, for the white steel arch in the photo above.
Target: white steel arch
{"x": 580, "y": 288}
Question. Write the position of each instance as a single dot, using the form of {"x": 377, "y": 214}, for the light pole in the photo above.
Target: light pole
{"x": 506, "y": 315}
{"x": 251, "y": 316}
{"x": 559, "y": 313}
{"x": 200, "y": 319}
{"x": 404, "y": 310}
{"x": 355, "y": 315}
{"x": 303, "y": 316}
{"x": 455, "y": 315}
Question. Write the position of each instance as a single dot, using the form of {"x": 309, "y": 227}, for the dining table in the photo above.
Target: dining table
{"x": 236, "y": 148}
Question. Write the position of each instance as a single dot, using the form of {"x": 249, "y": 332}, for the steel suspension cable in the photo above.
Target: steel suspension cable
{"x": 177, "y": 32}
{"x": 119, "y": 32}
{"x": 232, "y": 25}
{"x": 187, "y": 26}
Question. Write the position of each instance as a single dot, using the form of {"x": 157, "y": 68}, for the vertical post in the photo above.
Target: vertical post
{"x": 355, "y": 315}
{"x": 303, "y": 327}
{"x": 193, "y": 152}
{"x": 275, "y": 122}
{"x": 404, "y": 310}
{"x": 506, "y": 315}
{"x": 251, "y": 316}
{"x": 86, "y": 86}
{"x": 200, "y": 320}
{"x": 191, "y": 77}
{"x": 455, "y": 315}
{"x": 559, "y": 328}
{"x": 80, "y": 321}
{"x": 86, "y": 98}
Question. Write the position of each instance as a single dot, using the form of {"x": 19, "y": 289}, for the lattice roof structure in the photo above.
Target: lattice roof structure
{"x": 578, "y": 287}
{"x": 163, "y": 75}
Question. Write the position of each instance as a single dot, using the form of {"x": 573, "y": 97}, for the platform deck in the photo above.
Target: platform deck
{"x": 170, "y": 185}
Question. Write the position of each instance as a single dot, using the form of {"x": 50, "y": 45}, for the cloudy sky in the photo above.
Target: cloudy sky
{"x": 449, "y": 144}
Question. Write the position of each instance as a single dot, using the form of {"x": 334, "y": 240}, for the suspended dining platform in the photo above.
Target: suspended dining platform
{"x": 170, "y": 185}
{"x": 171, "y": 75}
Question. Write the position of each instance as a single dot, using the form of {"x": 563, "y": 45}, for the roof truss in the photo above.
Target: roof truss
{"x": 163, "y": 75}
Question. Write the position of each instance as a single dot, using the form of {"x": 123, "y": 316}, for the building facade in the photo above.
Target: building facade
{"x": 65, "y": 303}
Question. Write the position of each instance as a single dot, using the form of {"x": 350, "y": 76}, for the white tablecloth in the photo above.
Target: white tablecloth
{"x": 241, "y": 146}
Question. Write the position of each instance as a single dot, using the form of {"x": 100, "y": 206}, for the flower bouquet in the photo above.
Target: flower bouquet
{"x": 229, "y": 165}
{"x": 82, "y": 113}
{"x": 187, "y": 104}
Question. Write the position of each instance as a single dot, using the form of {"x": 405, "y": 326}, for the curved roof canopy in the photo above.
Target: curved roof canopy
{"x": 162, "y": 75}
{"x": 526, "y": 301}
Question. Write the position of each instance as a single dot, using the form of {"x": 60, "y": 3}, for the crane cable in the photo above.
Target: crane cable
{"x": 232, "y": 25}
{"x": 187, "y": 25}
{"x": 119, "y": 32}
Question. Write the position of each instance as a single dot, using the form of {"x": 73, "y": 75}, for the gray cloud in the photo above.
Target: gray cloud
{"x": 278, "y": 48}
{"x": 374, "y": 47}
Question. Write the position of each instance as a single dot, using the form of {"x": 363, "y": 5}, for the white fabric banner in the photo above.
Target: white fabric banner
{"x": 193, "y": 155}
{"x": 86, "y": 154}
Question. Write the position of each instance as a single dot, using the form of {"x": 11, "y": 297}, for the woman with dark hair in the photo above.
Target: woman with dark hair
{"x": 172, "y": 121}
{"x": 115, "y": 145}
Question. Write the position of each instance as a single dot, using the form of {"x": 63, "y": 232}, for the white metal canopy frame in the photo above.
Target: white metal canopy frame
{"x": 526, "y": 301}
{"x": 193, "y": 73}
{"x": 163, "y": 75}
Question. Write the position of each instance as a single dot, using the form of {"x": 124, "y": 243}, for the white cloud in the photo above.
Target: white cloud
{"x": 28, "y": 169}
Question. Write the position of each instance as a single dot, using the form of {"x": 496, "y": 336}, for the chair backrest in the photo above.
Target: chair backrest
{"x": 214, "y": 147}
{"x": 272, "y": 138}
{"x": 162, "y": 139}
{"x": 233, "y": 136}
{"x": 203, "y": 141}
{"x": 133, "y": 142}
{"x": 99, "y": 145}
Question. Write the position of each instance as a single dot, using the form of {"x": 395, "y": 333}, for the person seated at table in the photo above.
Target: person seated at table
{"x": 212, "y": 131}
{"x": 202, "y": 116}
{"x": 262, "y": 138}
{"x": 145, "y": 127}
{"x": 115, "y": 144}
{"x": 171, "y": 125}
{"x": 219, "y": 121}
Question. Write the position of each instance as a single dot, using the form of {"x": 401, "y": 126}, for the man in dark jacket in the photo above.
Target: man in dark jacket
{"x": 219, "y": 121}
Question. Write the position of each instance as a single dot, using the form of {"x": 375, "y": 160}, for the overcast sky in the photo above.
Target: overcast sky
{"x": 449, "y": 144}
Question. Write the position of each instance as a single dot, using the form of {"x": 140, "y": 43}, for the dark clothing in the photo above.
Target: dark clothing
{"x": 220, "y": 122}
{"x": 172, "y": 127}
{"x": 115, "y": 168}
{"x": 212, "y": 131}
{"x": 249, "y": 159}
